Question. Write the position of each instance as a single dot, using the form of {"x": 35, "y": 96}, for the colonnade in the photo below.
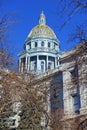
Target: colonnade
{"x": 25, "y": 63}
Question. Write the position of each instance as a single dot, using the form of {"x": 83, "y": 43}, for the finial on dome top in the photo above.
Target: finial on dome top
{"x": 42, "y": 18}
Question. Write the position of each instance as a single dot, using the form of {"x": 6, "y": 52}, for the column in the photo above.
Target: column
{"x": 19, "y": 65}
{"x": 26, "y": 64}
{"x": 38, "y": 66}
{"x": 47, "y": 63}
{"x": 55, "y": 62}
{"x": 22, "y": 67}
{"x": 58, "y": 61}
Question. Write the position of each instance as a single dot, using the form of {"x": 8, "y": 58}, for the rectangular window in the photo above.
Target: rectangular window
{"x": 54, "y": 45}
{"x": 35, "y": 44}
{"x": 35, "y": 67}
{"x": 76, "y": 103}
{"x": 74, "y": 75}
{"x": 42, "y": 43}
{"x": 30, "y": 45}
{"x": 42, "y": 66}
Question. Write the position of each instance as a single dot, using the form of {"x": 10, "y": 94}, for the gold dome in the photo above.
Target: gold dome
{"x": 42, "y": 30}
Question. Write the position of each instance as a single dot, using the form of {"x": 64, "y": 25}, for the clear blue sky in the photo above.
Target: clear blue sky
{"x": 26, "y": 12}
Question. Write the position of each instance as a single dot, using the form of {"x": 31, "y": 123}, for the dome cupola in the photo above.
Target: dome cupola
{"x": 42, "y": 18}
{"x": 42, "y": 30}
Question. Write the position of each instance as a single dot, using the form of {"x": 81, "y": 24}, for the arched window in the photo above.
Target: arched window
{"x": 42, "y": 66}
{"x": 42, "y": 43}
{"x": 48, "y": 44}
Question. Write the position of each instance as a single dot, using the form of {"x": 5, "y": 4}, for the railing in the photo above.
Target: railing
{"x": 43, "y": 49}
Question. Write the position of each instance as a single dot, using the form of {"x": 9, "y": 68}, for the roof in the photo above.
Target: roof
{"x": 42, "y": 30}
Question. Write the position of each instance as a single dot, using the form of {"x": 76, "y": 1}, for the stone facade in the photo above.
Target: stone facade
{"x": 74, "y": 70}
{"x": 66, "y": 91}
{"x": 64, "y": 76}
{"x": 67, "y": 87}
{"x": 66, "y": 72}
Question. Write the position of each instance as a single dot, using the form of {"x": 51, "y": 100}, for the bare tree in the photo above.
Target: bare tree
{"x": 15, "y": 89}
{"x": 70, "y": 8}
{"x": 66, "y": 12}
{"x": 79, "y": 34}
{"x": 74, "y": 84}
{"x": 6, "y": 58}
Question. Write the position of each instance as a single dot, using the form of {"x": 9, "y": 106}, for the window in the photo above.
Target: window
{"x": 74, "y": 75}
{"x": 49, "y": 66}
{"x": 42, "y": 43}
{"x": 54, "y": 45}
{"x": 76, "y": 103}
{"x": 42, "y": 66}
{"x": 35, "y": 44}
{"x": 48, "y": 44}
{"x": 35, "y": 66}
{"x": 59, "y": 61}
{"x": 30, "y": 45}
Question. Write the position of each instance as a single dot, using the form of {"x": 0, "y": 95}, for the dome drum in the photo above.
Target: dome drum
{"x": 44, "y": 45}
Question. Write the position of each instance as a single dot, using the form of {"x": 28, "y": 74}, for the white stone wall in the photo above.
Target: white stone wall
{"x": 68, "y": 103}
{"x": 83, "y": 83}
